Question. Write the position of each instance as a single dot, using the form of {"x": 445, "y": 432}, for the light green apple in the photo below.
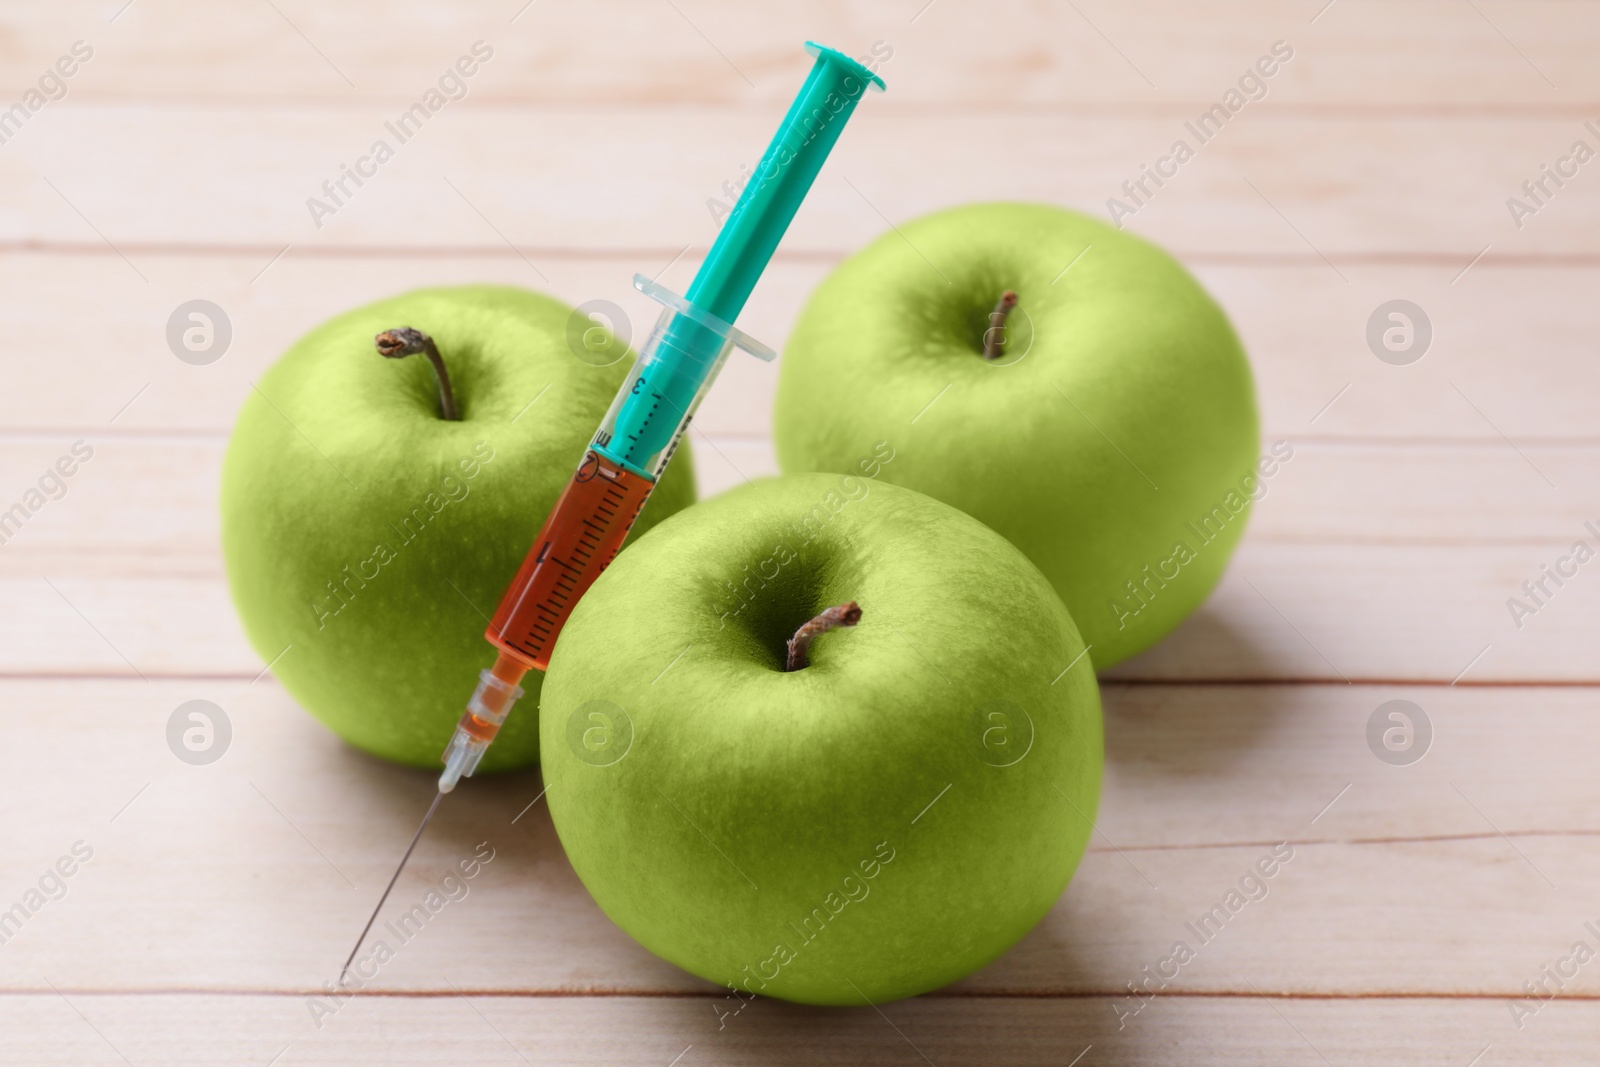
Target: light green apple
{"x": 1113, "y": 438}
{"x": 878, "y": 823}
{"x": 367, "y": 538}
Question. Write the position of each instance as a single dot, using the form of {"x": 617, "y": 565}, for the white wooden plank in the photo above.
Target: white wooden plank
{"x": 1400, "y": 882}
{"x": 1285, "y": 611}
{"x": 1187, "y": 766}
{"x": 1348, "y": 613}
{"x": 207, "y": 174}
{"x": 471, "y": 1027}
{"x": 1511, "y": 354}
{"x": 1190, "y": 766}
{"x": 149, "y": 503}
{"x": 1367, "y": 52}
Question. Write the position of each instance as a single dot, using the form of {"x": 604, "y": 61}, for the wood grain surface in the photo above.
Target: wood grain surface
{"x": 1421, "y": 899}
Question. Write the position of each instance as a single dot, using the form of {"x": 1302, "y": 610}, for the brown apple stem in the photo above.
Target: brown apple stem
{"x": 403, "y": 341}
{"x": 994, "y": 338}
{"x": 842, "y": 615}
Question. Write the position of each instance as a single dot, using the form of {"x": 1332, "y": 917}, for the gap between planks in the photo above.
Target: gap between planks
{"x": 1294, "y": 111}
{"x": 1371, "y": 257}
{"x": 691, "y": 994}
{"x": 1105, "y": 682}
{"x": 164, "y": 435}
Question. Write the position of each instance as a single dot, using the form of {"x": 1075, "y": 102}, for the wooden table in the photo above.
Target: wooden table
{"x": 1421, "y": 897}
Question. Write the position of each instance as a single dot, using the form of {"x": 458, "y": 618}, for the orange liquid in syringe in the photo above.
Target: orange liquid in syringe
{"x": 583, "y": 534}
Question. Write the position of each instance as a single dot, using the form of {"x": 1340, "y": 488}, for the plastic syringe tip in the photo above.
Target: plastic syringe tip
{"x": 461, "y": 758}
{"x": 490, "y": 704}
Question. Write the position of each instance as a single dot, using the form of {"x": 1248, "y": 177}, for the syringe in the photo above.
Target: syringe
{"x": 651, "y": 412}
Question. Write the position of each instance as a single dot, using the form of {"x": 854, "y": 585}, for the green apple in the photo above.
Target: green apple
{"x": 878, "y": 823}
{"x": 1113, "y": 438}
{"x": 367, "y": 538}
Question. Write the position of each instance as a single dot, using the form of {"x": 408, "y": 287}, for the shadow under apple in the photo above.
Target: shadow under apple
{"x": 1195, "y": 706}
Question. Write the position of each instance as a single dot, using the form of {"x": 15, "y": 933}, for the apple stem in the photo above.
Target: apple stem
{"x": 842, "y": 615}
{"x": 994, "y": 338}
{"x": 403, "y": 341}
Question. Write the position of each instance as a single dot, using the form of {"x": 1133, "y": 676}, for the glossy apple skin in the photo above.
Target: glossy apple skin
{"x": 338, "y": 452}
{"x": 1123, "y": 413}
{"x": 750, "y": 805}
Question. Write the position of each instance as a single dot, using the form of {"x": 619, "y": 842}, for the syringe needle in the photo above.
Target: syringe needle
{"x": 389, "y": 888}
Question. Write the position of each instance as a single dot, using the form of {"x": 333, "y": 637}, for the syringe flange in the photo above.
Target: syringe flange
{"x": 727, "y": 330}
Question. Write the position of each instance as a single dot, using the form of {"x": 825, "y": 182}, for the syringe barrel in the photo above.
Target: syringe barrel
{"x": 683, "y": 356}
{"x": 585, "y": 530}
{"x": 581, "y": 535}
